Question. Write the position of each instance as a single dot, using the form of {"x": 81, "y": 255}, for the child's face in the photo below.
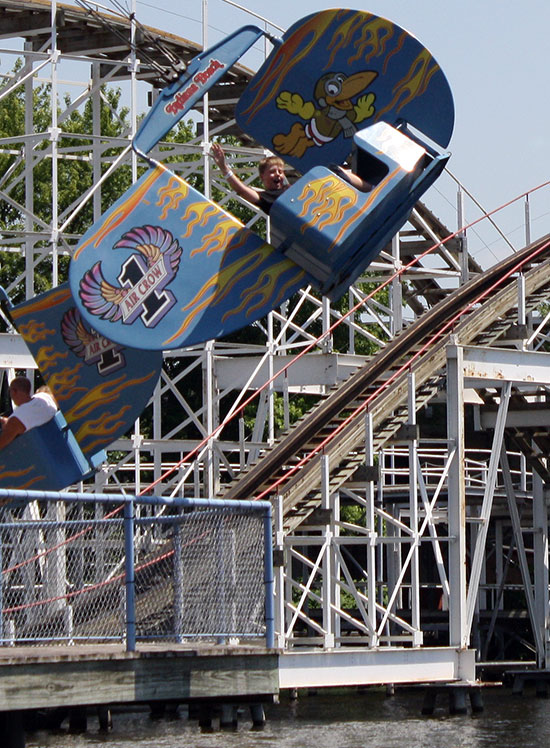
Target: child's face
{"x": 273, "y": 177}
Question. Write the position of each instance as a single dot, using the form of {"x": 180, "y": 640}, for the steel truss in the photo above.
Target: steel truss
{"x": 346, "y": 581}
{"x": 54, "y": 54}
{"x": 426, "y": 553}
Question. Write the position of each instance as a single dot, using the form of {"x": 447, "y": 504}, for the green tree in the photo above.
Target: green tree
{"x": 75, "y": 171}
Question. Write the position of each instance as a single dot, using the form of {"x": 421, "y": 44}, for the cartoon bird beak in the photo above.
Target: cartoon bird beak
{"x": 351, "y": 87}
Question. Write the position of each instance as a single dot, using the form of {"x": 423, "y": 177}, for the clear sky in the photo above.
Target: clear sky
{"x": 493, "y": 52}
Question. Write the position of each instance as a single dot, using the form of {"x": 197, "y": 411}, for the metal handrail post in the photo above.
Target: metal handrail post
{"x": 129, "y": 576}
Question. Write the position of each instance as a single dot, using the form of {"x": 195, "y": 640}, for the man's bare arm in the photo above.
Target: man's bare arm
{"x": 10, "y": 430}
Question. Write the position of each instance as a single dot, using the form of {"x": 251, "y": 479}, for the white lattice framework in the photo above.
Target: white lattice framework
{"x": 225, "y": 369}
{"x": 202, "y": 385}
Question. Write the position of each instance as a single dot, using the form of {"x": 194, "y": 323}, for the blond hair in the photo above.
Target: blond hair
{"x": 268, "y": 161}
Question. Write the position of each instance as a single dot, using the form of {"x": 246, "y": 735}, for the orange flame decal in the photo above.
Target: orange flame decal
{"x": 413, "y": 84}
{"x": 47, "y": 357}
{"x": 34, "y": 331}
{"x": 330, "y": 199}
{"x": 221, "y": 284}
{"x": 30, "y": 483}
{"x": 327, "y": 199}
{"x": 224, "y": 237}
{"x": 264, "y": 288}
{"x": 102, "y": 394}
{"x": 217, "y": 239}
{"x": 64, "y": 383}
{"x": 122, "y": 212}
{"x": 287, "y": 57}
{"x": 106, "y": 425}
{"x": 14, "y": 476}
{"x": 198, "y": 214}
{"x": 359, "y": 214}
{"x": 395, "y": 51}
{"x": 39, "y": 304}
{"x": 14, "y": 473}
{"x": 342, "y": 38}
{"x": 172, "y": 195}
{"x": 373, "y": 39}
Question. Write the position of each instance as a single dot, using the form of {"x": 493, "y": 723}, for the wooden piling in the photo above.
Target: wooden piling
{"x": 12, "y": 729}
{"x": 105, "y": 718}
{"x": 430, "y": 698}
{"x": 78, "y": 720}
{"x": 257, "y": 714}
{"x": 206, "y": 717}
{"x": 228, "y": 717}
{"x": 457, "y": 700}
{"x": 456, "y": 694}
{"x": 476, "y": 700}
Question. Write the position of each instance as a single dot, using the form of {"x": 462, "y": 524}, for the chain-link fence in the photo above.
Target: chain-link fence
{"x": 87, "y": 571}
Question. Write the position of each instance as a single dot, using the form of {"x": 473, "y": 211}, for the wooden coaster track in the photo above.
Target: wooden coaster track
{"x": 489, "y": 306}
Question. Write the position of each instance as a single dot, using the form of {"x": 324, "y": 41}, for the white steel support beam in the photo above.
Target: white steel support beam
{"x": 541, "y": 575}
{"x": 335, "y": 560}
{"x": 327, "y": 565}
{"x": 208, "y": 400}
{"x": 29, "y": 181}
{"x": 413, "y": 511}
{"x": 522, "y": 316}
{"x": 309, "y": 374}
{"x": 54, "y": 137}
{"x": 489, "y": 367}
{"x": 396, "y": 288}
{"x": 271, "y": 390}
{"x": 279, "y": 568}
{"x": 370, "y": 524}
{"x": 428, "y": 509}
{"x": 458, "y": 631}
{"x": 485, "y": 514}
{"x": 14, "y": 353}
{"x": 522, "y": 555}
{"x": 133, "y": 66}
{"x": 157, "y": 427}
{"x": 499, "y": 564}
{"x": 354, "y": 667}
{"x": 96, "y": 130}
{"x": 527, "y": 221}
{"x": 461, "y": 220}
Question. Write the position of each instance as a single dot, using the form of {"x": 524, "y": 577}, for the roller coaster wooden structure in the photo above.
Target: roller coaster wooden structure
{"x": 360, "y": 423}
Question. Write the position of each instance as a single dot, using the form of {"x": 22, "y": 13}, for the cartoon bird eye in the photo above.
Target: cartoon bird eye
{"x": 333, "y": 87}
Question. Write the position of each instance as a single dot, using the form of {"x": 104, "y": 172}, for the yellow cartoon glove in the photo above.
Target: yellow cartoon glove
{"x": 364, "y": 107}
{"x": 294, "y": 104}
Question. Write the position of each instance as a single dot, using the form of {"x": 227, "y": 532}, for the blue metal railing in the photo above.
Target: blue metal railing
{"x": 126, "y": 511}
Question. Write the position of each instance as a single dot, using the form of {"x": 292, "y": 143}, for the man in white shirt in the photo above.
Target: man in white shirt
{"x": 30, "y": 411}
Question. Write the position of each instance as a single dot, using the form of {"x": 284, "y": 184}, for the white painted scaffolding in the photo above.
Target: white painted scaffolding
{"x": 357, "y": 579}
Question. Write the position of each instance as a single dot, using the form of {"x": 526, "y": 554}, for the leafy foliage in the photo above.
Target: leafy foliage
{"x": 25, "y": 164}
{"x": 77, "y": 153}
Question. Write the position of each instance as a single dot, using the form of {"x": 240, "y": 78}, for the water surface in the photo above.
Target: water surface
{"x": 334, "y": 719}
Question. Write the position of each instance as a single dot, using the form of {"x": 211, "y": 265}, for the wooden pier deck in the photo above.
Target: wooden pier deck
{"x": 53, "y": 676}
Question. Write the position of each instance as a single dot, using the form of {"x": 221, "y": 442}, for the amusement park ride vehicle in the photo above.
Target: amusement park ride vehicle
{"x": 165, "y": 267}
